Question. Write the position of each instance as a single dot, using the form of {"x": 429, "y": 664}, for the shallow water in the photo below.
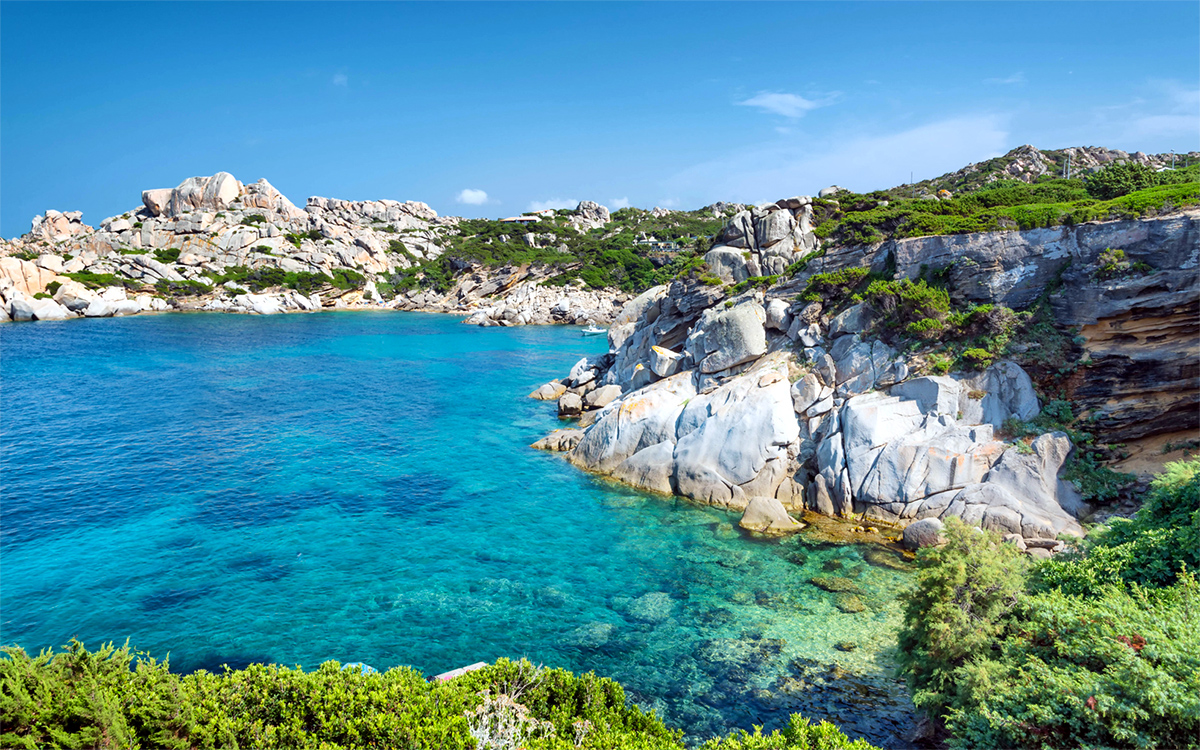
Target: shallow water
{"x": 358, "y": 486}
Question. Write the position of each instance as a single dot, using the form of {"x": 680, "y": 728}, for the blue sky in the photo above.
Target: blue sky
{"x": 669, "y": 104}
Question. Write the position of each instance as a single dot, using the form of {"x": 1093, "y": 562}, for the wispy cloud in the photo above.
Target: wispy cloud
{"x": 1011, "y": 80}
{"x": 791, "y": 106}
{"x": 472, "y": 197}
{"x": 783, "y": 168}
{"x": 618, "y": 203}
{"x": 341, "y": 79}
{"x": 1164, "y": 114}
{"x": 669, "y": 203}
{"x": 552, "y": 203}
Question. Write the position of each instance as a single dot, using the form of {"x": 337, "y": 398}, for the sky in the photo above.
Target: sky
{"x": 491, "y": 109}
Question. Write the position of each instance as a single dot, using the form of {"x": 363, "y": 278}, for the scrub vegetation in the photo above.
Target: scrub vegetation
{"x": 1099, "y": 647}
{"x": 116, "y": 698}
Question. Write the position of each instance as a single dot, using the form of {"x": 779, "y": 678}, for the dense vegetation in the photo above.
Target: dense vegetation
{"x": 113, "y": 698}
{"x": 1098, "y": 648}
{"x": 1119, "y": 191}
{"x": 606, "y": 257}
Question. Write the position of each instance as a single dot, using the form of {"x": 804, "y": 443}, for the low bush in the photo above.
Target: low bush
{"x": 167, "y": 255}
{"x": 114, "y": 697}
{"x": 1099, "y": 648}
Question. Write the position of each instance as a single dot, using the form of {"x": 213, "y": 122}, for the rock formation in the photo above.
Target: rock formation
{"x": 181, "y": 236}
{"x": 724, "y": 400}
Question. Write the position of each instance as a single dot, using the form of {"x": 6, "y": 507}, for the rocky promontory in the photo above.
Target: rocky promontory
{"x": 833, "y": 389}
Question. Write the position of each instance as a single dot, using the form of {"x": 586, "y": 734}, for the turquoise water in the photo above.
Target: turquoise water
{"x": 357, "y": 486}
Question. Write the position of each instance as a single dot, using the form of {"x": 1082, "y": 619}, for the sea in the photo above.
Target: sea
{"x": 222, "y": 490}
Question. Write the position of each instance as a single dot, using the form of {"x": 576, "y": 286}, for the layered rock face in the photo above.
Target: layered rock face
{"x": 1140, "y": 332}
{"x": 206, "y": 225}
{"x": 763, "y": 396}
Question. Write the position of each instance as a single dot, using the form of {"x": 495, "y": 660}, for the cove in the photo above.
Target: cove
{"x": 358, "y": 486}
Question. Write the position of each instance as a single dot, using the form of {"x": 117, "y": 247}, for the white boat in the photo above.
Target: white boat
{"x": 594, "y": 331}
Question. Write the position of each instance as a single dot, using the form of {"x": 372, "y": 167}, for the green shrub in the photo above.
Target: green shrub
{"x": 42, "y": 295}
{"x": 1161, "y": 541}
{"x": 97, "y": 280}
{"x": 1120, "y": 670}
{"x": 114, "y": 697}
{"x": 184, "y": 288}
{"x": 835, "y": 286}
{"x": 253, "y": 219}
{"x": 1116, "y": 180}
{"x": 798, "y": 735}
{"x": 966, "y": 590}
{"x": 167, "y": 255}
{"x": 53, "y": 287}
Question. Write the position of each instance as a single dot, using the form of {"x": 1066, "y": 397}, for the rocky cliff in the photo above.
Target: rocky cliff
{"x": 823, "y": 404}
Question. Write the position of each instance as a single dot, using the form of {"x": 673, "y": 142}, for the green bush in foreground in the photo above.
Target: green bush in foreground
{"x": 1099, "y": 650}
{"x": 114, "y": 698}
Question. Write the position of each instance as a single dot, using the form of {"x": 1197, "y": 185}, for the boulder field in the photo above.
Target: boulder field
{"x": 763, "y": 403}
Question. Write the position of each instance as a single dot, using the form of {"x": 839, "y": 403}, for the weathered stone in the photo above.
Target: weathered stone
{"x": 924, "y": 533}
{"x": 570, "y": 405}
{"x": 726, "y": 337}
{"x": 550, "y": 391}
{"x": 602, "y": 396}
{"x": 766, "y": 515}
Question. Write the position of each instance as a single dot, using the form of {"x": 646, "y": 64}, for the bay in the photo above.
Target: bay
{"x": 358, "y": 486}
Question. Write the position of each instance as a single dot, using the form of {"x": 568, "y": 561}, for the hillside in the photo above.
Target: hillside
{"x": 214, "y": 243}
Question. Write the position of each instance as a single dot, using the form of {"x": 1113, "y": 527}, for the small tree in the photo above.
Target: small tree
{"x": 966, "y": 590}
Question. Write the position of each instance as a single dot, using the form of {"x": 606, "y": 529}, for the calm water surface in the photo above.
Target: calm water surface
{"x": 358, "y": 486}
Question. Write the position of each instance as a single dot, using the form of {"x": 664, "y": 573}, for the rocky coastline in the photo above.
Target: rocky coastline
{"x": 766, "y": 403}
{"x": 161, "y": 256}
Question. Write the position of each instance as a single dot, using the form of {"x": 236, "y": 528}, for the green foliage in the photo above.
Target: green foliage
{"x": 1161, "y": 541}
{"x": 799, "y": 734}
{"x": 836, "y": 286}
{"x": 253, "y": 219}
{"x": 1113, "y": 265}
{"x": 53, "y": 287}
{"x": 29, "y": 255}
{"x": 167, "y": 255}
{"x": 753, "y": 281}
{"x": 131, "y": 251}
{"x": 1119, "y": 179}
{"x": 258, "y": 279}
{"x": 137, "y": 225}
{"x": 1005, "y": 204}
{"x": 98, "y": 280}
{"x": 907, "y": 301}
{"x": 42, "y": 295}
{"x": 185, "y": 288}
{"x": 114, "y": 697}
{"x": 297, "y": 238}
{"x": 965, "y": 592}
{"x": 1099, "y": 648}
{"x": 1120, "y": 670}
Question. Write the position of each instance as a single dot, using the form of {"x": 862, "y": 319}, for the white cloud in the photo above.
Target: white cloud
{"x": 472, "y": 197}
{"x": 669, "y": 203}
{"x": 341, "y": 79}
{"x": 618, "y": 203}
{"x": 871, "y": 162}
{"x": 1008, "y": 81}
{"x": 788, "y": 105}
{"x": 1164, "y": 115}
{"x": 553, "y": 203}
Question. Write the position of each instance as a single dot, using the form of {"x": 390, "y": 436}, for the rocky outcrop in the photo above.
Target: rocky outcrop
{"x": 179, "y": 237}
{"x": 764, "y": 240}
{"x": 728, "y": 399}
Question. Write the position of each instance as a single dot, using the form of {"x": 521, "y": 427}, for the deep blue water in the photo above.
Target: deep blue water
{"x": 358, "y": 486}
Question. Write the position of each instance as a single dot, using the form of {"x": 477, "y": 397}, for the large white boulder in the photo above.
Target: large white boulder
{"x": 727, "y": 337}
{"x": 733, "y": 443}
{"x": 727, "y": 263}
